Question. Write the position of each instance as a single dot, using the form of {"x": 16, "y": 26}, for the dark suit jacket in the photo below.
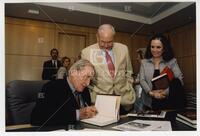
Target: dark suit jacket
{"x": 49, "y": 72}
{"x": 56, "y": 104}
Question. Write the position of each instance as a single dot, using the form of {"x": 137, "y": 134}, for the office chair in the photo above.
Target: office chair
{"x": 21, "y": 97}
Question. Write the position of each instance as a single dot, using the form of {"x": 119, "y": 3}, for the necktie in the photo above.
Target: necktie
{"x": 54, "y": 64}
{"x": 77, "y": 98}
{"x": 110, "y": 64}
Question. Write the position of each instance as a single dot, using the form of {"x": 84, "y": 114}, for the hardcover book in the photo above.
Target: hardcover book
{"x": 161, "y": 81}
{"x": 189, "y": 116}
{"x": 108, "y": 110}
{"x": 148, "y": 114}
{"x": 186, "y": 122}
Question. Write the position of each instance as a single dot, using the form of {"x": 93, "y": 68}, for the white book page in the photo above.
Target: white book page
{"x": 100, "y": 119}
{"x": 108, "y": 109}
{"x": 106, "y": 105}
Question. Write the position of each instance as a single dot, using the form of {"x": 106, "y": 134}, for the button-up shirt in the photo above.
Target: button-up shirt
{"x": 54, "y": 62}
{"x": 110, "y": 52}
{"x": 73, "y": 92}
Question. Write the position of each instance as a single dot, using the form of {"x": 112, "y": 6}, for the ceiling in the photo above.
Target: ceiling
{"x": 134, "y": 18}
{"x": 147, "y": 9}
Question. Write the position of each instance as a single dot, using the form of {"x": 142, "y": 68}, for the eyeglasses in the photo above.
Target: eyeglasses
{"x": 106, "y": 43}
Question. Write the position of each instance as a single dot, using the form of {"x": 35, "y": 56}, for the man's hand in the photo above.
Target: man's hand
{"x": 87, "y": 112}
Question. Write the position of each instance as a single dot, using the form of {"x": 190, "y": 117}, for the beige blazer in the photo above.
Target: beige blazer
{"x": 103, "y": 82}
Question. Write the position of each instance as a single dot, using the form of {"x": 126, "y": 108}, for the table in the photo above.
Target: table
{"x": 170, "y": 116}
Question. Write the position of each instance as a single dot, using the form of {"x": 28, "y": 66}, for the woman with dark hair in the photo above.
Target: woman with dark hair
{"x": 159, "y": 56}
{"x": 63, "y": 71}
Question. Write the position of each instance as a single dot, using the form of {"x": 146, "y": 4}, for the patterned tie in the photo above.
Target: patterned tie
{"x": 110, "y": 64}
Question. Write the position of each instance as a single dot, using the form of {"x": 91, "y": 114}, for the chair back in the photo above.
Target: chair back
{"x": 21, "y": 98}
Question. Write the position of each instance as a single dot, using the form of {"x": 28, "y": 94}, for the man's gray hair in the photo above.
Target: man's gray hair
{"x": 80, "y": 64}
{"x": 106, "y": 26}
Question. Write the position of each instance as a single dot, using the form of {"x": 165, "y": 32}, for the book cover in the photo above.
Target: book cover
{"x": 186, "y": 122}
{"x": 189, "y": 116}
{"x": 161, "y": 81}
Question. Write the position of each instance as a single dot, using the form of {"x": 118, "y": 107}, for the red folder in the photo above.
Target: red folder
{"x": 169, "y": 73}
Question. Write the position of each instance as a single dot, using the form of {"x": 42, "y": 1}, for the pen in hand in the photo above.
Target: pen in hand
{"x": 86, "y": 104}
{"x": 92, "y": 108}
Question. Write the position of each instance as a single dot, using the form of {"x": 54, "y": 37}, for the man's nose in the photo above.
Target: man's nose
{"x": 87, "y": 82}
{"x": 154, "y": 49}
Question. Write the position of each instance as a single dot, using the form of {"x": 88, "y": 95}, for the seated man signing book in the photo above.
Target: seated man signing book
{"x": 159, "y": 59}
{"x": 63, "y": 102}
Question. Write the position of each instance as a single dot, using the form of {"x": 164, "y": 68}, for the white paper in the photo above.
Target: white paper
{"x": 144, "y": 125}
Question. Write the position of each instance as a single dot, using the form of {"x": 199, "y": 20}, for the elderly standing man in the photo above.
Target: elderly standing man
{"x": 112, "y": 66}
{"x": 65, "y": 101}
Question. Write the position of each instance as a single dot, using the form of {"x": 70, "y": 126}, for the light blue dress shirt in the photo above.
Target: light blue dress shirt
{"x": 110, "y": 52}
{"x": 81, "y": 101}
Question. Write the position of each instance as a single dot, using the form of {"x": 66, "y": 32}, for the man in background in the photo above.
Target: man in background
{"x": 112, "y": 66}
{"x": 51, "y": 67}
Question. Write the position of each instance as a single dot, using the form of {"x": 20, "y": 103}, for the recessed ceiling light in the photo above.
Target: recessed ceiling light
{"x": 33, "y": 11}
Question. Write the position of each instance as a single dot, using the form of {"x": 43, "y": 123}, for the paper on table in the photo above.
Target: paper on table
{"x": 164, "y": 126}
{"x": 144, "y": 125}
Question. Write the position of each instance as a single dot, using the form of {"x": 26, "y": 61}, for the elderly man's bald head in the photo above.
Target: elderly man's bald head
{"x": 106, "y": 28}
{"x": 105, "y": 36}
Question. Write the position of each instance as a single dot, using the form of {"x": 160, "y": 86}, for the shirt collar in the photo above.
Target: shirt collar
{"x": 104, "y": 52}
{"x": 53, "y": 60}
{"x": 71, "y": 86}
{"x": 151, "y": 59}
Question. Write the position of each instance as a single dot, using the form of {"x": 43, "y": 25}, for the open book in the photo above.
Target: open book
{"x": 108, "y": 110}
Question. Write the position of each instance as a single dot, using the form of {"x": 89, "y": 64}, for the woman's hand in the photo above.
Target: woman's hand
{"x": 158, "y": 94}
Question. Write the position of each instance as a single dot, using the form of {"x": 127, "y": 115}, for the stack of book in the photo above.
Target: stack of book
{"x": 148, "y": 114}
{"x": 191, "y": 100}
{"x": 188, "y": 117}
